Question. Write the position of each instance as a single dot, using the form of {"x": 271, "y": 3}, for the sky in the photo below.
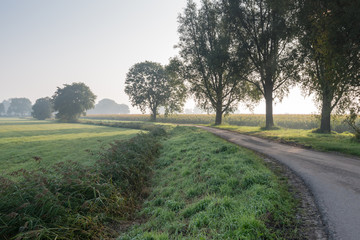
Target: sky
{"x": 45, "y": 44}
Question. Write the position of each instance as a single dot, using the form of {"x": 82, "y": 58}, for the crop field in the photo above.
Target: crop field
{"x": 294, "y": 121}
{"x": 39, "y": 144}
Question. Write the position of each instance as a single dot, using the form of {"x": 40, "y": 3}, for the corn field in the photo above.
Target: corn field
{"x": 294, "y": 121}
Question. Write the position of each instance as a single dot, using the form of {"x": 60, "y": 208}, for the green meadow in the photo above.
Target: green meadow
{"x": 31, "y": 144}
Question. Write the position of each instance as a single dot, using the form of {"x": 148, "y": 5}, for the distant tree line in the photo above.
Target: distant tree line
{"x": 245, "y": 50}
{"x": 68, "y": 104}
{"x": 108, "y": 106}
{"x": 16, "y": 107}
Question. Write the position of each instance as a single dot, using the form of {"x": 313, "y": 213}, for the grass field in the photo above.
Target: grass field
{"x": 21, "y": 141}
{"x": 202, "y": 187}
{"x": 85, "y": 198}
{"x": 206, "y": 188}
{"x": 335, "y": 142}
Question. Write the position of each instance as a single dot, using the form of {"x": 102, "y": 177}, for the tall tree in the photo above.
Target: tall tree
{"x": 6, "y": 104}
{"x": 266, "y": 30}
{"x": 331, "y": 55}
{"x": 19, "y": 107}
{"x": 2, "y": 109}
{"x": 213, "y": 67}
{"x": 42, "y": 108}
{"x": 72, "y": 101}
{"x": 150, "y": 86}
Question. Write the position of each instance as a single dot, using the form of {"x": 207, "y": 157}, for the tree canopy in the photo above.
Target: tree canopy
{"x": 214, "y": 68}
{"x": 150, "y": 86}
{"x": 331, "y": 66}
{"x": 42, "y": 108}
{"x": 72, "y": 101}
{"x": 109, "y": 106}
{"x": 265, "y": 29}
{"x": 19, "y": 107}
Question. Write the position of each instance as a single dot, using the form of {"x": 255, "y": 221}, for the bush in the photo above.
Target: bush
{"x": 351, "y": 121}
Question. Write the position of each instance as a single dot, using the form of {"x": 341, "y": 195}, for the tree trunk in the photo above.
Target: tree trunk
{"x": 218, "y": 117}
{"x": 153, "y": 115}
{"x": 269, "y": 109}
{"x": 325, "y": 125}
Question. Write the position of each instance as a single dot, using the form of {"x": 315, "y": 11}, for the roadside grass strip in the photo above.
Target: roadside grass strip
{"x": 335, "y": 142}
{"x": 206, "y": 188}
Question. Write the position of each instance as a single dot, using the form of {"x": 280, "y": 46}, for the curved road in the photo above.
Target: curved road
{"x": 333, "y": 179}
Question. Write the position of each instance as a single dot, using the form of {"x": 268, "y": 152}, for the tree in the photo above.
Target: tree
{"x": 72, "y": 101}
{"x": 266, "y": 30}
{"x": 331, "y": 55}
{"x": 2, "y": 109}
{"x": 19, "y": 107}
{"x": 42, "y": 108}
{"x": 175, "y": 102}
{"x": 150, "y": 86}
{"x": 214, "y": 69}
{"x": 108, "y": 106}
{"x": 6, "y": 104}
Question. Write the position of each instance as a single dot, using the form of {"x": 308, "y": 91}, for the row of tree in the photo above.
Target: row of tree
{"x": 19, "y": 107}
{"x": 69, "y": 103}
{"x": 245, "y": 50}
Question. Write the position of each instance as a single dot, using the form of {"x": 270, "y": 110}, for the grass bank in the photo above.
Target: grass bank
{"x": 336, "y": 142}
{"x": 27, "y": 144}
{"x": 69, "y": 200}
{"x": 206, "y": 188}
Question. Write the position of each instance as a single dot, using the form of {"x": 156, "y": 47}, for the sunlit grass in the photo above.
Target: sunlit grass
{"x": 206, "y": 188}
{"x": 337, "y": 142}
{"x": 50, "y": 142}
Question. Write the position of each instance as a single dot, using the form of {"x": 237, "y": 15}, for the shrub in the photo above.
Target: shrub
{"x": 351, "y": 121}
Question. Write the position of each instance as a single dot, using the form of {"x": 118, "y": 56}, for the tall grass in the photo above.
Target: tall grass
{"x": 72, "y": 201}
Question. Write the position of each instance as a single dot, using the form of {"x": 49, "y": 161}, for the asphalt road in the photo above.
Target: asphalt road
{"x": 333, "y": 179}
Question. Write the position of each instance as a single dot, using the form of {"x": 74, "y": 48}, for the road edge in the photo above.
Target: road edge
{"x": 312, "y": 222}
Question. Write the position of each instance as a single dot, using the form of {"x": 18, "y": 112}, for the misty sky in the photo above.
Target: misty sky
{"x": 45, "y": 44}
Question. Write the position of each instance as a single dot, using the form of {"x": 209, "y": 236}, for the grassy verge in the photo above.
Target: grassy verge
{"x": 26, "y": 144}
{"x": 335, "y": 142}
{"x": 206, "y": 188}
{"x": 69, "y": 200}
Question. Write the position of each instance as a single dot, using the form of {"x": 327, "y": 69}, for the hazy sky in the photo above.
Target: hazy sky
{"x": 45, "y": 44}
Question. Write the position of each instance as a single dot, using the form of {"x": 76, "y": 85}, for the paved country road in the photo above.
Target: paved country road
{"x": 333, "y": 179}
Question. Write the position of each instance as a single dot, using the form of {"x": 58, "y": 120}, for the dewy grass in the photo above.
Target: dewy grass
{"x": 72, "y": 201}
{"x": 336, "y": 142}
{"x": 206, "y": 188}
{"x": 38, "y": 144}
